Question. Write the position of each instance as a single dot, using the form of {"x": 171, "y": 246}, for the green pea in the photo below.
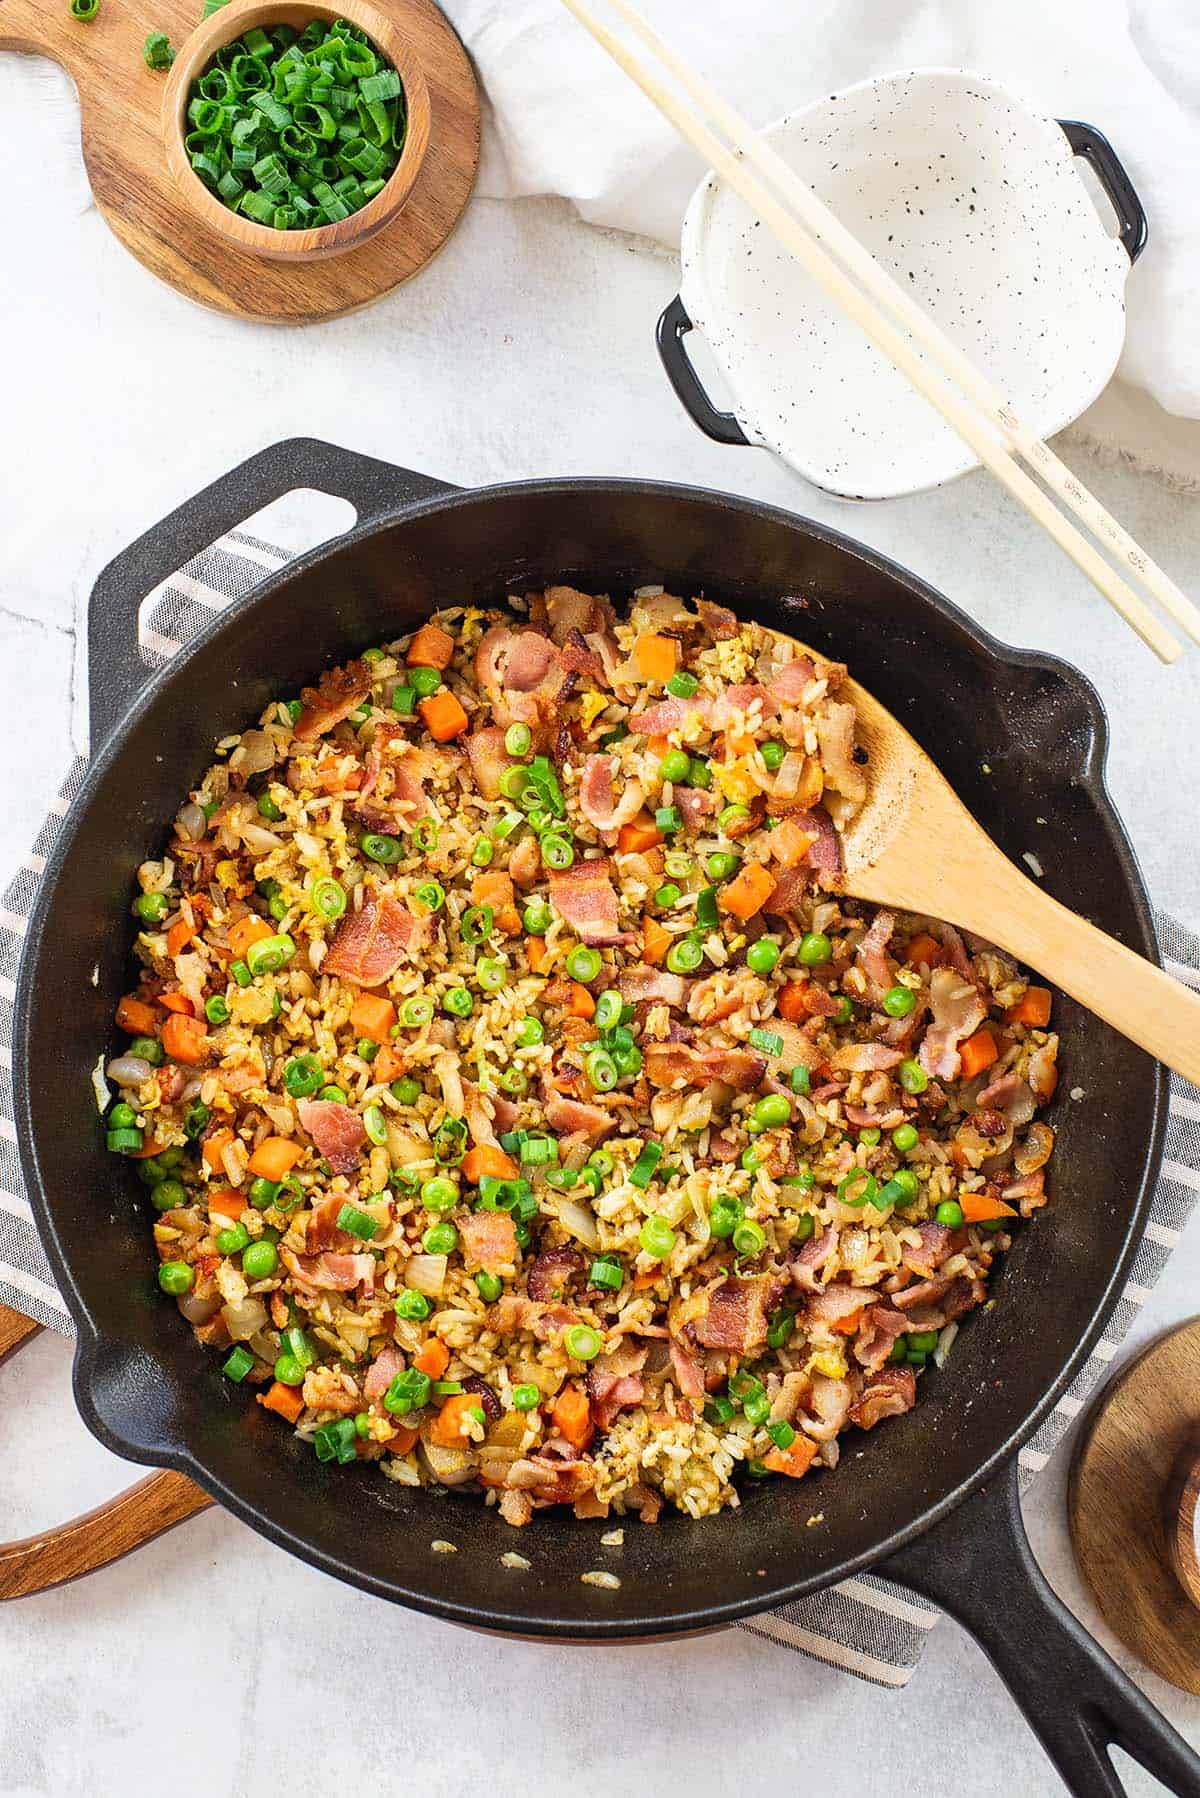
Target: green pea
{"x": 168, "y": 1195}
{"x": 772, "y": 755}
{"x": 489, "y": 1287}
{"x": 950, "y": 1212}
{"x": 414, "y": 1306}
{"x": 815, "y": 949}
{"x": 151, "y": 908}
{"x": 406, "y": 1090}
{"x": 260, "y": 1260}
{"x": 722, "y": 863}
{"x": 538, "y": 917}
{"x": 263, "y": 1193}
{"x": 175, "y": 1277}
{"x": 668, "y": 894}
{"x": 146, "y": 1048}
{"x": 530, "y": 1032}
{"x": 907, "y": 1181}
{"x": 772, "y": 1112}
{"x": 440, "y": 1239}
{"x": 526, "y": 1398}
{"x": 913, "y": 1077}
{"x": 899, "y": 1001}
{"x": 122, "y": 1117}
{"x": 288, "y": 1371}
{"x": 458, "y": 1002}
{"x": 233, "y": 1240}
{"x": 905, "y": 1137}
{"x": 762, "y": 956}
{"x": 439, "y": 1194}
{"x": 675, "y": 765}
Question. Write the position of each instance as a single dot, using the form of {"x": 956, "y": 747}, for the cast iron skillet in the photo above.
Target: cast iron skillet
{"x": 151, "y": 1393}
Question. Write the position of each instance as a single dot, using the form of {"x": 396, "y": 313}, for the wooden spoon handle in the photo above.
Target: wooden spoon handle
{"x": 1180, "y": 1507}
{"x": 1128, "y": 992}
{"x": 99, "y": 1537}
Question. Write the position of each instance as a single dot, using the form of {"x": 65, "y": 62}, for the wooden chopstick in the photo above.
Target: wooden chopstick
{"x": 991, "y": 450}
{"x": 879, "y": 281}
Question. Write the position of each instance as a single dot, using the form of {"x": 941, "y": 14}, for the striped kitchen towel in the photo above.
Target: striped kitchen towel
{"x": 867, "y": 1625}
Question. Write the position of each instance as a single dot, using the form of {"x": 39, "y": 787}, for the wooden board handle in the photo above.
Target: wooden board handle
{"x": 99, "y": 1537}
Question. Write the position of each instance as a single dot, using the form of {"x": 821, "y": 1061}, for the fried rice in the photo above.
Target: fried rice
{"x": 521, "y": 1107}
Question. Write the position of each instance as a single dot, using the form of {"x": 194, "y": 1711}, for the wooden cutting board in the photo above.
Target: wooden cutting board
{"x": 1132, "y": 1505}
{"x": 120, "y": 103}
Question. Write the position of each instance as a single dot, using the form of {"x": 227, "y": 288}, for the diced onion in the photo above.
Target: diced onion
{"x": 578, "y": 1220}
{"x": 199, "y": 1310}
{"x": 128, "y": 1070}
{"x": 101, "y": 1087}
{"x": 427, "y": 1274}
{"x": 254, "y": 754}
{"x": 192, "y": 823}
{"x": 245, "y": 1319}
{"x": 944, "y": 1344}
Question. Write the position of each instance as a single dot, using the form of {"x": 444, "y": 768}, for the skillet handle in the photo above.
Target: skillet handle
{"x": 115, "y": 670}
{"x": 96, "y": 1539}
{"x": 978, "y": 1565}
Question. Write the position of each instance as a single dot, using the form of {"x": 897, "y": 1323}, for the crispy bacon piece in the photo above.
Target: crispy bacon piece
{"x": 958, "y": 1010}
{"x": 837, "y": 1308}
{"x": 935, "y": 1246}
{"x": 336, "y": 1130}
{"x": 567, "y": 610}
{"x": 339, "y": 692}
{"x": 736, "y": 1318}
{"x": 331, "y": 1272}
{"x": 571, "y": 1116}
{"x": 609, "y": 1393}
{"x": 877, "y": 1336}
{"x": 825, "y": 855}
{"x": 321, "y": 1231}
{"x": 828, "y": 1407}
{"x": 717, "y": 622}
{"x": 489, "y": 1239}
{"x": 835, "y": 735}
{"x": 670, "y": 715}
{"x": 732, "y": 704}
{"x": 891, "y": 1392}
{"x": 689, "y": 1375}
{"x": 551, "y": 1272}
{"x": 807, "y": 1267}
{"x": 585, "y": 897}
{"x": 670, "y": 1065}
{"x": 788, "y": 685}
{"x": 865, "y": 1058}
{"x": 653, "y": 984}
{"x": 695, "y": 805}
{"x": 598, "y": 799}
{"x": 871, "y": 958}
{"x": 1010, "y": 1095}
{"x": 382, "y": 1371}
{"x": 488, "y": 758}
{"x": 371, "y": 943}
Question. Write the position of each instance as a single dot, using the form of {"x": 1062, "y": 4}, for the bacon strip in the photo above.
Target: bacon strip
{"x": 598, "y": 799}
{"x": 337, "y": 1131}
{"x": 371, "y": 943}
{"x": 585, "y": 897}
{"x": 736, "y": 1317}
{"x": 339, "y": 692}
{"x": 669, "y": 1065}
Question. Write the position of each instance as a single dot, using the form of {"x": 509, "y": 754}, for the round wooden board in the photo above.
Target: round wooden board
{"x": 120, "y": 102}
{"x": 1121, "y": 1472}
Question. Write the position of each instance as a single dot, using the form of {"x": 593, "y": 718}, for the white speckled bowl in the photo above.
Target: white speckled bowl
{"x": 967, "y": 195}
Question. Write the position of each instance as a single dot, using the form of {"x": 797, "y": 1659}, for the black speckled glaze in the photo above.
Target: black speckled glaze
{"x": 146, "y": 1387}
{"x": 968, "y": 199}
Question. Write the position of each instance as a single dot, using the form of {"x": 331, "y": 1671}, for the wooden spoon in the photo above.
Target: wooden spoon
{"x": 915, "y": 846}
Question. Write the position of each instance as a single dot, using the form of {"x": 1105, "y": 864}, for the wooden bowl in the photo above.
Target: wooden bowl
{"x": 221, "y": 28}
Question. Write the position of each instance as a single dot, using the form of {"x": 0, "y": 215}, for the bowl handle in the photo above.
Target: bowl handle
{"x": 673, "y": 327}
{"x": 1095, "y": 149}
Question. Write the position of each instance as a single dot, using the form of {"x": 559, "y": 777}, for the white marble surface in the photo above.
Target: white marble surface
{"x": 527, "y": 349}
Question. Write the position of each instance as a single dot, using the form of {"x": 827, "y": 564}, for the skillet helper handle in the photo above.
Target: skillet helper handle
{"x": 137, "y": 1515}
{"x": 116, "y": 673}
{"x": 673, "y": 327}
{"x": 1109, "y": 170}
{"x": 978, "y": 1565}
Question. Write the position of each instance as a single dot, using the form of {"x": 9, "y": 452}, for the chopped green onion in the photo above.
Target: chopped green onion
{"x": 538, "y": 1151}
{"x": 682, "y": 685}
{"x": 156, "y": 51}
{"x": 749, "y": 1238}
{"x": 335, "y": 1441}
{"x": 583, "y": 964}
{"x": 668, "y": 819}
{"x": 801, "y": 1080}
{"x": 381, "y": 848}
{"x": 302, "y": 1076}
{"x": 269, "y": 954}
{"x": 581, "y": 1342}
{"x": 707, "y": 917}
{"x": 216, "y": 1010}
{"x": 476, "y": 924}
{"x": 404, "y": 700}
{"x": 767, "y": 1040}
{"x": 517, "y": 739}
{"x": 357, "y": 1223}
{"x": 425, "y": 835}
{"x": 526, "y": 1398}
{"x": 684, "y": 956}
{"x": 417, "y": 1012}
{"x": 656, "y": 1237}
{"x": 238, "y": 1365}
{"x": 643, "y": 1168}
{"x": 601, "y": 1070}
{"x": 606, "y": 1274}
{"x": 431, "y": 894}
{"x": 857, "y": 1188}
{"x": 557, "y": 852}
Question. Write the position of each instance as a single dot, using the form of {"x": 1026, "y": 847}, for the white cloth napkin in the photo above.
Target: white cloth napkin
{"x": 568, "y": 121}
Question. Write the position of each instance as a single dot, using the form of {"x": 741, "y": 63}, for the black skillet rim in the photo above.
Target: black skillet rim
{"x": 491, "y": 1618}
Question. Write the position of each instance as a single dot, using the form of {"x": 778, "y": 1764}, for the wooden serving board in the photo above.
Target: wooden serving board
{"x": 1128, "y": 1507}
{"x": 120, "y": 103}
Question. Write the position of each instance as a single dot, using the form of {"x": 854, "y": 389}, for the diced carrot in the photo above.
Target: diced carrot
{"x": 432, "y": 647}
{"x": 373, "y": 1018}
{"x": 433, "y": 1358}
{"x": 794, "y": 1461}
{"x": 846, "y": 1326}
{"x": 274, "y": 1157}
{"x": 1033, "y": 1007}
{"x": 135, "y": 1016}
{"x": 185, "y": 1039}
{"x": 923, "y": 949}
{"x": 446, "y": 1428}
{"x": 247, "y": 930}
{"x": 443, "y": 716}
{"x": 487, "y": 1158}
{"x": 388, "y": 1064}
{"x": 178, "y": 1002}
{"x": 978, "y": 1052}
{"x": 981, "y": 1207}
{"x": 639, "y": 834}
{"x": 655, "y": 942}
{"x": 404, "y": 1441}
{"x": 495, "y": 888}
{"x": 536, "y": 952}
{"x": 572, "y": 1415}
{"x": 747, "y": 892}
{"x": 211, "y": 1147}
{"x": 657, "y": 657}
{"x": 643, "y": 1282}
{"x": 790, "y": 843}
{"x": 179, "y": 936}
{"x": 658, "y": 746}
{"x": 226, "y": 1203}
{"x": 793, "y": 1001}
{"x": 148, "y": 1149}
{"x": 288, "y": 1401}
{"x": 580, "y": 1004}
